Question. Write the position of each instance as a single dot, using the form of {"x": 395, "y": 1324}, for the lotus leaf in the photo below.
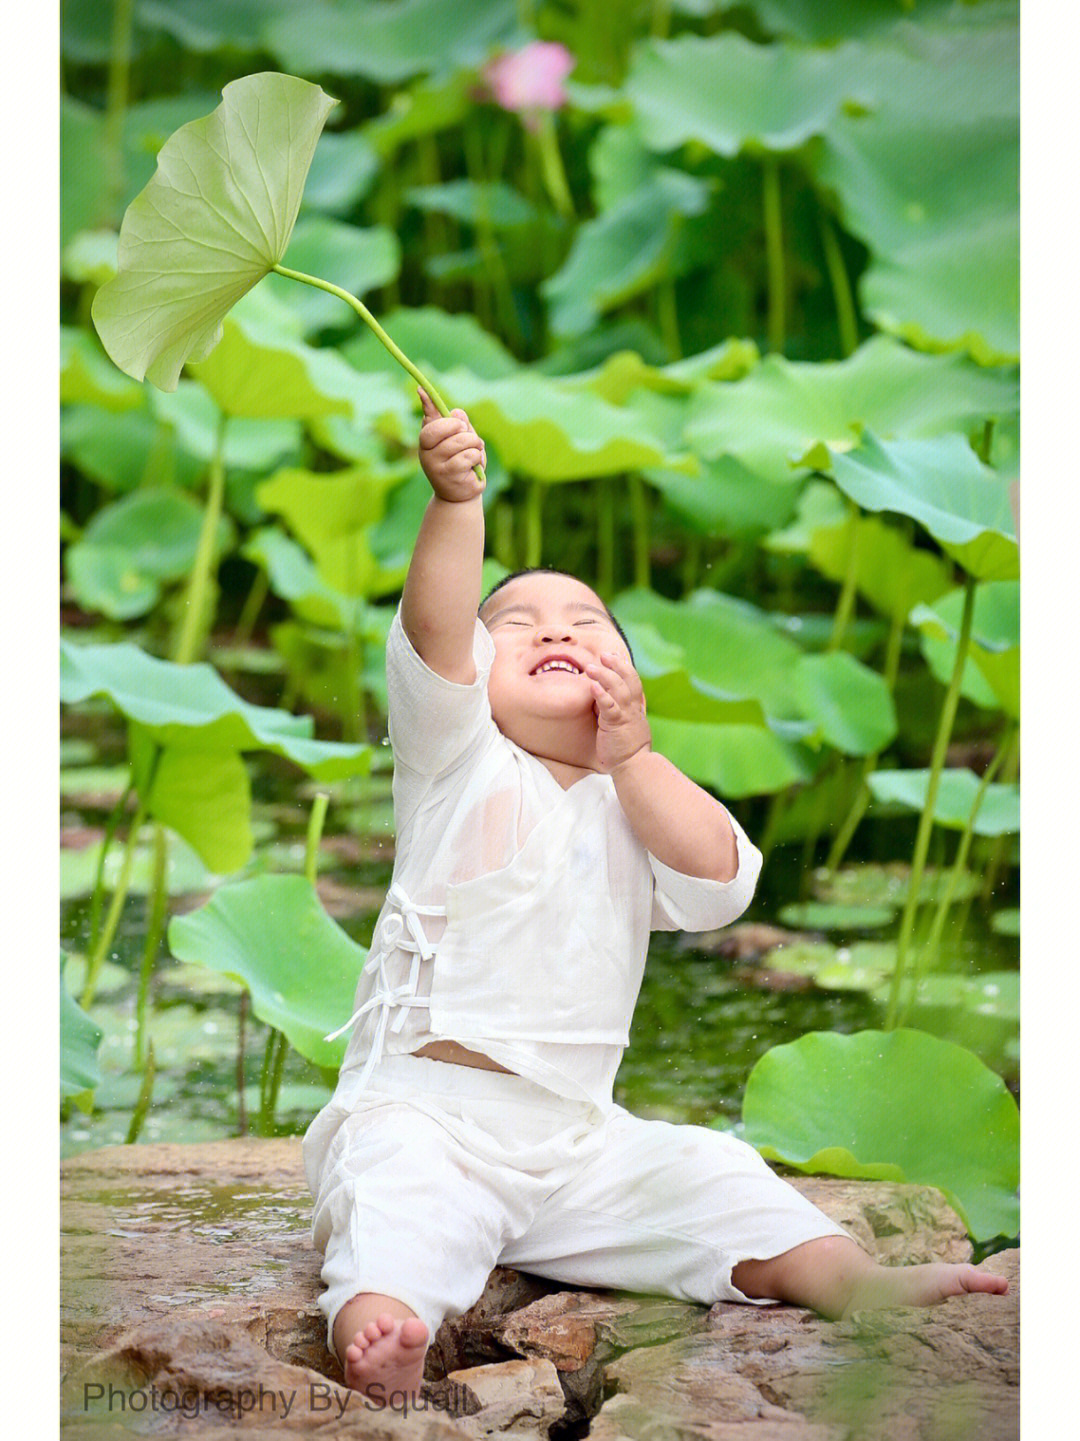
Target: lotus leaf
{"x": 890, "y": 572}
{"x": 489, "y": 202}
{"x": 823, "y": 916}
{"x": 191, "y": 707}
{"x": 84, "y": 159}
{"x": 624, "y": 371}
{"x": 1006, "y": 922}
{"x": 790, "y": 416}
{"x": 424, "y": 108}
{"x": 342, "y": 171}
{"x": 254, "y": 931}
{"x": 886, "y": 885}
{"x": 125, "y": 450}
{"x": 389, "y": 44}
{"x": 732, "y": 760}
{"x": 944, "y": 266}
{"x": 171, "y": 293}
{"x": 622, "y": 252}
{"x": 293, "y": 576}
{"x": 205, "y": 797}
{"x": 821, "y": 23}
{"x": 992, "y": 671}
{"x": 670, "y": 689}
{"x": 436, "y": 339}
{"x": 131, "y": 548}
{"x": 999, "y": 812}
{"x": 870, "y": 1118}
{"x": 357, "y": 260}
{"x": 799, "y": 958}
{"x": 332, "y": 515}
{"x": 89, "y": 258}
{"x": 728, "y": 93}
{"x": 256, "y": 374}
{"x": 731, "y": 649}
{"x": 86, "y": 377}
{"x": 545, "y": 429}
{"x": 185, "y": 873}
{"x": 80, "y": 1070}
{"x": 204, "y": 26}
{"x": 250, "y": 444}
{"x": 851, "y": 705}
{"x": 147, "y": 124}
{"x": 819, "y": 506}
{"x": 943, "y": 485}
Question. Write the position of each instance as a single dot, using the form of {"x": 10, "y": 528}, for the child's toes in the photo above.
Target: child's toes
{"x": 385, "y": 1323}
{"x": 371, "y": 1331}
{"x": 413, "y": 1332}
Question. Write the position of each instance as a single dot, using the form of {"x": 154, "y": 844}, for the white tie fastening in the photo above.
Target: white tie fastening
{"x": 398, "y": 930}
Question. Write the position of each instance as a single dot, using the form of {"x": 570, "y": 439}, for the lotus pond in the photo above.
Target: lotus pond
{"x": 703, "y": 1018}
{"x": 731, "y": 292}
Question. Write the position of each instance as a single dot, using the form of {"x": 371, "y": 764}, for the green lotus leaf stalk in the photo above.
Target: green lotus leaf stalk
{"x": 214, "y": 219}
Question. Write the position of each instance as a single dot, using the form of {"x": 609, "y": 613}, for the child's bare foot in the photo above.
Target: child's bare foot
{"x": 926, "y": 1285}
{"x": 389, "y": 1354}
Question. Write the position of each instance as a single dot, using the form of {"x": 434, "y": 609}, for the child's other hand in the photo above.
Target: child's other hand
{"x": 449, "y": 451}
{"x": 621, "y": 728}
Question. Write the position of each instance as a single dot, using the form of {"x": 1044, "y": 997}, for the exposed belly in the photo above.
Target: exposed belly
{"x": 460, "y": 1056}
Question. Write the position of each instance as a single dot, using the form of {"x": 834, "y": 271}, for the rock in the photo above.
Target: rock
{"x": 188, "y": 1274}
{"x": 517, "y": 1397}
{"x": 743, "y": 942}
{"x": 941, "y": 1374}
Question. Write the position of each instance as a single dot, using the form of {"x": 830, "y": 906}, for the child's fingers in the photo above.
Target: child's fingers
{"x": 462, "y": 440}
{"x": 431, "y": 410}
{"x": 625, "y": 671}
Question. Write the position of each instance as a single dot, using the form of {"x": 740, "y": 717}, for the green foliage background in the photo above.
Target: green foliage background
{"x": 739, "y": 324}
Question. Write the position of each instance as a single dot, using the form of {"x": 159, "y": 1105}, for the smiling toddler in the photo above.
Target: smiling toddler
{"x": 539, "y": 841}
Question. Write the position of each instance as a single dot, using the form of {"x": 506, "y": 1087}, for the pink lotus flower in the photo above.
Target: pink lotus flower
{"x": 531, "y": 79}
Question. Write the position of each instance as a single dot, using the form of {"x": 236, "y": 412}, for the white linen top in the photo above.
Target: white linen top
{"x": 517, "y": 920}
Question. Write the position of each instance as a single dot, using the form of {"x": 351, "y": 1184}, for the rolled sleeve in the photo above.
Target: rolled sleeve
{"x": 434, "y": 722}
{"x": 694, "y": 903}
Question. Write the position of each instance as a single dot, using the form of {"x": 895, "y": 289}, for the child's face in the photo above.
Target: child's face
{"x": 546, "y": 629}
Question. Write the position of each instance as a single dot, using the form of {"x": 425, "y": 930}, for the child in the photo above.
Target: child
{"x": 539, "y": 839}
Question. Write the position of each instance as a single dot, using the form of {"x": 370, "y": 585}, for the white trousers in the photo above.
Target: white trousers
{"x": 436, "y": 1173}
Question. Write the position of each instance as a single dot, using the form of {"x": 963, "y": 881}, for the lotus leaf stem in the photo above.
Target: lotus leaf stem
{"x": 928, "y": 953}
{"x": 667, "y": 313}
{"x": 116, "y": 906}
{"x": 116, "y": 95}
{"x": 846, "y": 318}
{"x": 241, "y": 1046}
{"x": 534, "y": 523}
{"x": 926, "y": 820}
{"x": 551, "y": 165}
{"x": 605, "y": 536}
{"x": 273, "y": 1067}
{"x": 774, "y": 255}
{"x": 845, "y": 601}
{"x": 142, "y": 1105}
{"x": 314, "y": 833}
{"x": 97, "y": 899}
{"x": 155, "y": 929}
{"x": 245, "y": 625}
{"x": 641, "y": 519}
{"x": 369, "y": 320}
{"x": 854, "y": 816}
{"x": 197, "y": 601}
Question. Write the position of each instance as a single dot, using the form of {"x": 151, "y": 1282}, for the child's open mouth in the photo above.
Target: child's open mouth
{"x": 556, "y": 663}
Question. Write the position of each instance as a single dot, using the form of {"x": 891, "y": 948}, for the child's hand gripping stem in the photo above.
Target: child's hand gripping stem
{"x": 451, "y": 453}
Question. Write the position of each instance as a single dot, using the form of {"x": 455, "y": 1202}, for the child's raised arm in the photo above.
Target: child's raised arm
{"x": 442, "y": 589}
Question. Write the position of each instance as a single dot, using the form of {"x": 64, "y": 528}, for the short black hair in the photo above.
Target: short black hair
{"x": 553, "y": 570}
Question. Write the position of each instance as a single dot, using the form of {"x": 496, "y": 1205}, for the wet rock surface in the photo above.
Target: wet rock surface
{"x": 189, "y": 1307}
